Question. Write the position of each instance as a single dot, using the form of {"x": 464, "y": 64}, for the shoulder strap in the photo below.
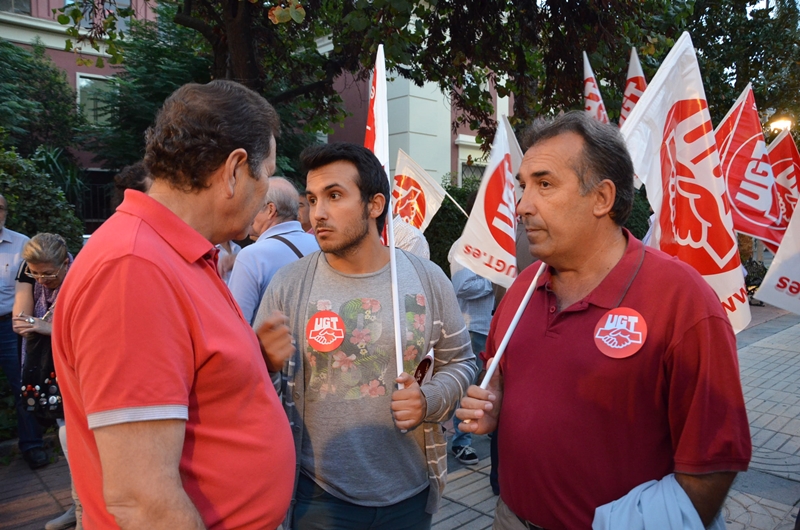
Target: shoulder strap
{"x": 288, "y": 244}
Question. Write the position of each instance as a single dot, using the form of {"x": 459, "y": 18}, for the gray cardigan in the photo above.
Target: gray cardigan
{"x": 454, "y": 367}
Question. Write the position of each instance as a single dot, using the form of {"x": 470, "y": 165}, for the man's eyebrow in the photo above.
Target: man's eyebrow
{"x": 326, "y": 188}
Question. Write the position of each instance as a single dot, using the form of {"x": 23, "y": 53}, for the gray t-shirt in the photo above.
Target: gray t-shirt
{"x": 351, "y": 446}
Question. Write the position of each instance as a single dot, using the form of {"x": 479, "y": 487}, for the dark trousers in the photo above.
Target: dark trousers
{"x": 28, "y": 430}
{"x": 316, "y": 509}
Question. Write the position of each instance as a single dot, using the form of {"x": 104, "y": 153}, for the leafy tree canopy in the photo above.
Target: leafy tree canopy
{"x": 35, "y": 203}
{"x": 37, "y": 105}
{"x": 160, "y": 57}
{"x": 293, "y": 52}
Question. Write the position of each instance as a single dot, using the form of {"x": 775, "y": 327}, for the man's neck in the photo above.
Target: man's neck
{"x": 368, "y": 256}
{"x": 191, "y": 207}
{"x": 573, "y": 281}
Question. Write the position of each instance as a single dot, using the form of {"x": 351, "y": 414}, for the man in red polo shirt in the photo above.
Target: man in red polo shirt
{"x": 623, "y": 368}
{"x": 173, "y": 420}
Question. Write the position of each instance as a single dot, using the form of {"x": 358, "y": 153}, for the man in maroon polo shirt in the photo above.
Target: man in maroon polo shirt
{"x": 623, "y": 368}
{"x": 173, "y": 420}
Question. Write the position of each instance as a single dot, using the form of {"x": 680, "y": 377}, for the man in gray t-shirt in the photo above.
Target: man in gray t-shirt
{"x": 369, "y": 455}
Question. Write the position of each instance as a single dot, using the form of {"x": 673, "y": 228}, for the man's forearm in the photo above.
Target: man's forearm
{"x": 707, "y": 492}
{"x": 142, "y": 485}
{"x": 172, "y": 510}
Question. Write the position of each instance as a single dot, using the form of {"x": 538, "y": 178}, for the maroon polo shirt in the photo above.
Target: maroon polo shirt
{"x": 579, "y": 429}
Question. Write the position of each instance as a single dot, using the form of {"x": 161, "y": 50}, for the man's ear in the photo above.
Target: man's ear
{"x": 234, "y": 169}
{"x": 605, "y": 193}
{"x": 375, "y": 205}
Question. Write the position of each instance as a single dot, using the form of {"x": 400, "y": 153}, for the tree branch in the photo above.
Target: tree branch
{"x": 196, "y": 24}
{"x": 299, "y": 91}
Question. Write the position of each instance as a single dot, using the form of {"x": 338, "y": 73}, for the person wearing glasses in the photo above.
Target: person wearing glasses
{"x": 45, "y": 265}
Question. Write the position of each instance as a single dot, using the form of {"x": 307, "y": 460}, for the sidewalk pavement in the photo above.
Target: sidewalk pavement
{"x": 764, "y": 498}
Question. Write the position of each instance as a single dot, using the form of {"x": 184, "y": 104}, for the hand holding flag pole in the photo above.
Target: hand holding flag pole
{"x": 510, "y": 331}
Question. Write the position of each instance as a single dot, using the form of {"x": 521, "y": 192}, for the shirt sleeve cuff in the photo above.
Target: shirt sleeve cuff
{"x": 134, "y": 414}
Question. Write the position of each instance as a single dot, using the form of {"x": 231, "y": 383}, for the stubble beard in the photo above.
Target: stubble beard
{"x": 353, "y": 237}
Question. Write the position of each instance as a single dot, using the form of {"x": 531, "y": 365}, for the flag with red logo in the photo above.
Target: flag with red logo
{"x": 488, "y": 246}
{"x": 592, "y": 99}
{"x": 417, "y": 197}
{"x": 634, "y": 87}
{"x": 781, "y": 285}
{"x": 749, "y": 182}
{"x": 671, "y": 141}
{"x": 376, "y": 138}
{"x": 516, "y": 153}
{"x": 786, "y": 168}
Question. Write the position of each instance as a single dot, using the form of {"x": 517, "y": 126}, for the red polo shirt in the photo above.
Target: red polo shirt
{"x": 579, "y": 429}
{"x": 146, "y": 330}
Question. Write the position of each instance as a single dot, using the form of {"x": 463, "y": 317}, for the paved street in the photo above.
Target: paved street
{"x": 764, "y": 498}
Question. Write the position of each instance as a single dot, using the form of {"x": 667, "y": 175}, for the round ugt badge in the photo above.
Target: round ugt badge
{"x": 325, "y": 331}
{"x": 620, "y": 333}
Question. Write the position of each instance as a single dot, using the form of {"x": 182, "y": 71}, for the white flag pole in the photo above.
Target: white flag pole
{"x": 457, "y": 205}
{"x": 510, "y": 331}
{"x": 499, "y": 354}
{"x": 398, "y": 345}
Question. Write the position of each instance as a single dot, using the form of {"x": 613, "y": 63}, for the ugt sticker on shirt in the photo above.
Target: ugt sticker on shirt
{"x": 325, "y": 331}
{"x": 620, "y": 333}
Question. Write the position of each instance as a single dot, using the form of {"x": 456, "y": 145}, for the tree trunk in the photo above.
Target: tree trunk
{"x": 244, "y": 66}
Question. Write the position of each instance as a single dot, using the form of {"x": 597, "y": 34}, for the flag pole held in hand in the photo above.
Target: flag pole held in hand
{"x": 499, "y": 354}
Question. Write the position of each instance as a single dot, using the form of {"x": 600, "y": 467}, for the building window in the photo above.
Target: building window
{"x": 473, "y": 171}
{"x": 91, "y": 90}
{"x": 23, "y": 7}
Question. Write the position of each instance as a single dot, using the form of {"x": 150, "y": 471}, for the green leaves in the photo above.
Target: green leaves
{"x": 282, "y": 14}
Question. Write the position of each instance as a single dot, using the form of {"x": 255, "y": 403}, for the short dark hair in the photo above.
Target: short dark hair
{"x": 199, "y": 126}
{"x": 133, "y": 177}
{"x": 372, "y": 179}
{"x": 604, "y": 156}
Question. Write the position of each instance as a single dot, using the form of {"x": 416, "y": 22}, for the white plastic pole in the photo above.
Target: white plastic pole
{"x": 499, "y": 354}
{"x": 398, "y": 343}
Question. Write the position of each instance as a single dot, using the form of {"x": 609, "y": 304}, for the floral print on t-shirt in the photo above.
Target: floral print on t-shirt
{"x": 362, "y": 365}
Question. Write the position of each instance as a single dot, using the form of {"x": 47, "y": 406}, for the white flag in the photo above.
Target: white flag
{"x": 781, "y": 285}
{"x": 417, "y": 197}
{"x": 516, "y": 154}
{"x": 671, "y": 141}
{"x": 592, "y": 99}
{"x": 634, "y": 87}
{"x": 488, "y": 246}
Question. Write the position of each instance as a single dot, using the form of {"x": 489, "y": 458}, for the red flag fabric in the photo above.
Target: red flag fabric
{"x": 749, "y": 182}
{"x": 671, "y": 141}
{"x": 592, "y": 99}
{"x": 634, "y": 87}
{"x": 786, "y": 168}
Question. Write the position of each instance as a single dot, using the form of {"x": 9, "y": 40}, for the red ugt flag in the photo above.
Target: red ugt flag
{"x": 786, "y": 168}
{"x": 749, "y": 182}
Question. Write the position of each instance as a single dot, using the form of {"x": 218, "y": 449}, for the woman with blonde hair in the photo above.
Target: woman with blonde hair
{"x": 45, "y": 265}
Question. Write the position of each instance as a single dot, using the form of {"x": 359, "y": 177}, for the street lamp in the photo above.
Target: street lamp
{"x": 781, "y": 124}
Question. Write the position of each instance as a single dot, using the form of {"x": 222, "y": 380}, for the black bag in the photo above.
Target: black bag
{"x": 41, "y": 395}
